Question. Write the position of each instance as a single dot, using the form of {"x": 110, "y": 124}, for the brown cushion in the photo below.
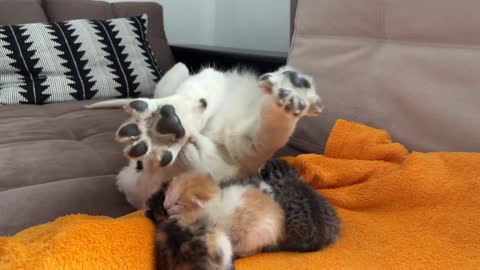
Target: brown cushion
{"x": 21, "y": 11}
{"x": 410, "y": 67}
{"x": 62, "y": 10}
{"x": 57, "y": 159}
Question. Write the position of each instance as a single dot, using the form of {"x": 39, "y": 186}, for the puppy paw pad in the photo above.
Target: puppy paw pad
{"x": 204, "y": 103}
{"x": 166, "y": 159}
{"x": 129, "y": 131}
{"x": 138, "y": 105}
{"x": 170, "y": 123}
{"x": 139, "y": 149}
{"x": 297, "y": 79}
{"x": 283, "y": 93}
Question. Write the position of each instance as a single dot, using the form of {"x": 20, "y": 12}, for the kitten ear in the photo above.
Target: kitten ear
{"x": 198, "y": 202}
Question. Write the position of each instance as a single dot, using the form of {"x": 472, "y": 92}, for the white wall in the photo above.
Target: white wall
{"x": 251, "y": 24}
{"x": 189, "y": 21}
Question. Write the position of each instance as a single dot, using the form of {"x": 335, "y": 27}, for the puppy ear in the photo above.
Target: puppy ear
{"x": 198, "y": 202}
{"x": 265, "y": 83}
{"x": 315, "y": 108}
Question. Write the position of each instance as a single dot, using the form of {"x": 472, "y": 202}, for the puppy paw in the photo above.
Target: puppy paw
{"x": 153, "y": 128}
{"x": 293, "y": 91}
{"x": 168, "y": 122}
{"x": 155, "y": 210}
{"x": 134, "y": 134}
{"x": 164, "y": 120}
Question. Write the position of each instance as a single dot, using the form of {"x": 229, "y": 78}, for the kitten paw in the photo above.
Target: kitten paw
{"x": 274, "y": 169}
{"x": 293, "y": 91}
{"x": 155, "y": 210}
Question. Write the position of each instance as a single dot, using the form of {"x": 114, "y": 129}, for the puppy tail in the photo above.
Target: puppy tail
{"x": 114, "y": 103}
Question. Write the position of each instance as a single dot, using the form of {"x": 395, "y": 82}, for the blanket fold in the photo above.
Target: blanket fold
{"x": 398, "y": 210}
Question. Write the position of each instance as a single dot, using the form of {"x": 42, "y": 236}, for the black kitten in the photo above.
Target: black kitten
{"x": 312, "y": 222}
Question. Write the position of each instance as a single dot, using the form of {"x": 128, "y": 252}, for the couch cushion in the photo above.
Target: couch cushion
{"x": 410, "y": 67}
{"x": 32, "y": 205}
{"x": 32, "y": 11}
{"x": 62, "y": 10}
{"x": 52, "y": 158}
{"x": 21, "y": 11}
{"x": 76, "y": 60}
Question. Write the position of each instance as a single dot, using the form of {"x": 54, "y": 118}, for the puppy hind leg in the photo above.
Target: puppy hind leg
{"x": 167, "y": 86}
{"x": 171, "y": 80}
{"x": 162, "y": 125}
{"x": 135, "y": 131}
{"x": 260, "y": 137}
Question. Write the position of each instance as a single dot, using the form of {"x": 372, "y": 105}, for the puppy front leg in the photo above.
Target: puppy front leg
{"x": 263, "y": 136}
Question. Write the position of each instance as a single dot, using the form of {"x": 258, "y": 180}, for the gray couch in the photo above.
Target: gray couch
{"x": 59, "y": 159}
{"x": 410, "y": 67}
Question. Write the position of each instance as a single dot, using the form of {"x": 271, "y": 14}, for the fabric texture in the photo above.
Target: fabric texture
{"x": 58, "y": 159}
{"x": 409, "y": 67}
{"x": 82, "y": 242}
{"x": 398, "y": 210}
{"x": 76, "y": 60}
{"x": 21, "y": 11}
{"x": 62, "y": 10}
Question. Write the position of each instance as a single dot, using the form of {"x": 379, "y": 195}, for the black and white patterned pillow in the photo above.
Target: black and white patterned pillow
{"x": 76, "y": 60}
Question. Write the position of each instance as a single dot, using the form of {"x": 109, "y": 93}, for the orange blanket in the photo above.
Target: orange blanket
{"x": 399, "y": 210}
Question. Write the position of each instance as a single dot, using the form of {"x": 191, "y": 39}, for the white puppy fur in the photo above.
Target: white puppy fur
{"x": 246, "y": 120}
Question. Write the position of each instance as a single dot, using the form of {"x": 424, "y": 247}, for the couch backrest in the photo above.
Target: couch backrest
{"x": 293, "y": 11}
{"x": 31, "y": 11}
{"x": 410, "y": 67}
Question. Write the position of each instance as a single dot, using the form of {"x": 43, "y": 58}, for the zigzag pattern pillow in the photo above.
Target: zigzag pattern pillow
{"x": 76, "y": 60}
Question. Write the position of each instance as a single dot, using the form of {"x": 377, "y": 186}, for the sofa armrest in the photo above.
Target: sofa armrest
{"x": 198, "y": 56}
